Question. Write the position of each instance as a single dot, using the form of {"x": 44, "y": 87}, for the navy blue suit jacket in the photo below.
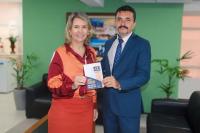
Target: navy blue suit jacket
{"x": 132, "y": 71}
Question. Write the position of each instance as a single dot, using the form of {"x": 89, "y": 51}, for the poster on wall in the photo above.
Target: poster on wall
{"x": 104, "y": 28}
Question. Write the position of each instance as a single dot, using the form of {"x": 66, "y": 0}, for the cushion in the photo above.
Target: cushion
{"x": 162, "y": 123}
{"x": 194, "y": 111}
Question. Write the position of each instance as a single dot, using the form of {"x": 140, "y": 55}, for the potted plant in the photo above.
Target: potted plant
{"x": 23, "y": 70}
{"x": 171, "y": 73}
{"x": 12, "y": 40}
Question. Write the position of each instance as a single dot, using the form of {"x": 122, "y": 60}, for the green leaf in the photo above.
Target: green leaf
{"x": 23, "y": 68}
{"x": 173, "y": 73}
{"x": 187, "y": 55}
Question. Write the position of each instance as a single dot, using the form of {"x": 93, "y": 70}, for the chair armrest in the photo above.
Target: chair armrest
{"x": 32, "y": 92}
{"x": 170, "y": 106}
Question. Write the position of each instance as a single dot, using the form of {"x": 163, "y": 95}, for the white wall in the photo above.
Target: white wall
{"x": 190, "y": 41}
{"x": 11, "y": 24}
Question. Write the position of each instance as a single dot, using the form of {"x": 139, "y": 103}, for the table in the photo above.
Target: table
{"x": 41, "y": 126}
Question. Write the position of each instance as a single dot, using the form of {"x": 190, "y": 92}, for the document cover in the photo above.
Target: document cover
{"x": 94, "y": 75}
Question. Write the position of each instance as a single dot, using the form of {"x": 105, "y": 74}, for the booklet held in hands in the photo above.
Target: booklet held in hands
{"x": 94, "y": 75}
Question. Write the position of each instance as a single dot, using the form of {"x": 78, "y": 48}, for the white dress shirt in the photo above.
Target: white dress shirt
{"x": 111, "y": 52}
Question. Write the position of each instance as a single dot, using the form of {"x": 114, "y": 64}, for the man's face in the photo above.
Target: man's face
{"x": 125, "y": 22}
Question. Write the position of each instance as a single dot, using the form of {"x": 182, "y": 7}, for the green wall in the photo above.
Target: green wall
{"x": 44, "y": 22}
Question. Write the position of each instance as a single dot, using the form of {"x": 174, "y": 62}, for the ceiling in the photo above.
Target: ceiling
{"x": 10, "y": 1}
{"x": 191, "y": 7}
{"x": 157, "y": 1}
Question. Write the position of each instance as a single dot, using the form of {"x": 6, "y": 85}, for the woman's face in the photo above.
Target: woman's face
{"x": 79, "y": 30}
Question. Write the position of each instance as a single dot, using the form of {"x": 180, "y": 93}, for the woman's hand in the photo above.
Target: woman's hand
{"x": 79, "y": 80}
{"x": 95, "y": 115}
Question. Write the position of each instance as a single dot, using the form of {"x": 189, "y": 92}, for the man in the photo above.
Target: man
{"x": 126, "y": 67}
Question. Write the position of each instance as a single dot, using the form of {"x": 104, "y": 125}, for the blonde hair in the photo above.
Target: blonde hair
{"x": 69, "y": 24}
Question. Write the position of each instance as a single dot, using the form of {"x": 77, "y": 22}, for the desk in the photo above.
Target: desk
{"x": 7, "y": 80}
{"x": 41, "y": 126}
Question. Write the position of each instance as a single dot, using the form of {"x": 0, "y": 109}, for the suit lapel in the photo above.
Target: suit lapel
{"x": 128, "y": 46}
{"x": 107, "y": 48}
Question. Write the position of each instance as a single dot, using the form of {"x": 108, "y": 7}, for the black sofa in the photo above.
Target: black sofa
{"x": 175, "y": 116}
{"x": 38, "y": 100}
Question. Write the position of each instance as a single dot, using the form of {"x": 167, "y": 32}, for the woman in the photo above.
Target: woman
{"x": 73, "y": 106}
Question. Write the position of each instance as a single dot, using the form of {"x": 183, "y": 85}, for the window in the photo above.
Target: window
{"x": 191, "y": 41}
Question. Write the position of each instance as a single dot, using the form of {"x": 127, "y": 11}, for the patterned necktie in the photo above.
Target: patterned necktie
{"x": 118, "y": 51}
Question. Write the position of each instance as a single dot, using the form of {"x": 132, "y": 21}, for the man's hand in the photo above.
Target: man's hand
{"x": 110, "y": 81}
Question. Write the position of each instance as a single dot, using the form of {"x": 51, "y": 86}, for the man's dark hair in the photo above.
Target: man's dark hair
{"x": 126, "y": 8}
